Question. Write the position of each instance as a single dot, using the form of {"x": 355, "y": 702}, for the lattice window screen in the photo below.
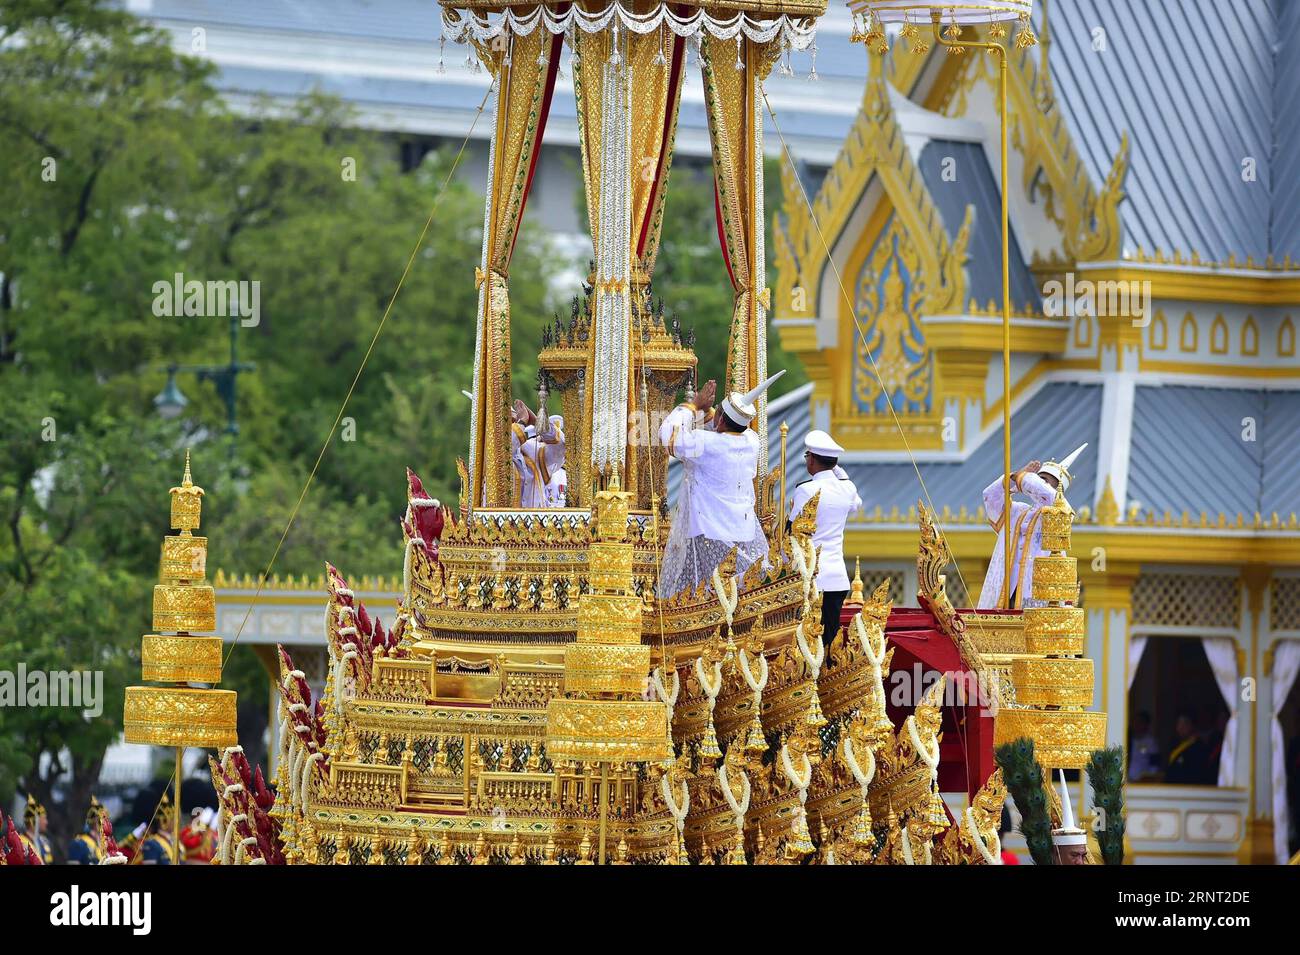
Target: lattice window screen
{"x": 957, "y": 595}
{"x": 1284, "y": 603}
{"x": 872, "y": 576}
{"x": 1187, "y": 600}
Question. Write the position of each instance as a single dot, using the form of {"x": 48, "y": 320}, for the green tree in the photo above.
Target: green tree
{"x": 691, "y": 274}
{"x": 121, "y": 168}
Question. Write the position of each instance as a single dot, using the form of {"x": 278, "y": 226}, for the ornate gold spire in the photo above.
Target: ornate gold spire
{"x": 180, "y": 714}
{"x": 1054, "y": 685}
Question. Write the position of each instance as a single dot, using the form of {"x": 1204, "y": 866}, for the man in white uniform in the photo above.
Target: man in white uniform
{"x": 1039, "y": 482}
{"x": 837, "y": 499}
{"x": 715, "y": 506}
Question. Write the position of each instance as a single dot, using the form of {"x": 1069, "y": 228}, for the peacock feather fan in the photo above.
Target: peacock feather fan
{"x": 1024, "y": 780}
{"x": 1106, "y": 776}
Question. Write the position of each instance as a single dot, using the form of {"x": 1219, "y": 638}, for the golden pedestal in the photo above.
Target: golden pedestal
{"x": 1052, "y": 681}
{"x": 605, "y": 715}
{"x": 180, "y": 715}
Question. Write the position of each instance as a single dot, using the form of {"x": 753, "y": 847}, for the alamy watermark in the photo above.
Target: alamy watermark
{"x": 188, "y": 298}
{"x": 78, "y": 689}
{"x": 1114, "y": 299}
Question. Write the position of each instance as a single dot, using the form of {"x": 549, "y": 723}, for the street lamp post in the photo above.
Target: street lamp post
{"x": 171, "y": 401}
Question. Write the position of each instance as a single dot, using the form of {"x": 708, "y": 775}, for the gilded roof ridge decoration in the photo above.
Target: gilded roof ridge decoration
{"x": 1087, "y": 215}
{"x": 874, "y": 148}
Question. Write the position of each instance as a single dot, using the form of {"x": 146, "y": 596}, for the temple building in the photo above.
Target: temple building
{"x": 1155, "y": 281}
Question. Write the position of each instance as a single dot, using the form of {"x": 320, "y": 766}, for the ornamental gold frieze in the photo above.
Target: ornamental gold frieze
{"x": 598, "y": 668}
{"x": 176, "y": 716}
{"x": 612, "y": 730}
{"x": 445, "y": 720}
{"x": 1058, "y": 631}
{"x": 609, "y": 565}
{"x": 1056, "y": 577}
{"x": 362, "y": 785}
{"x": 183, "y": 558}
{"x": 1062, "y": 738}
{"x": 756, "y": 8}
{"x": 529, "y": 686}
{"x": 996, "y": 634}
{"x": 517, "y": 792}
{"x": 777, "y": 602}
{"x": 179, "y": 608}
{"x": 403, "y": 680}
{"x": 1053, "y": 682}
{"x": 183, "y": 659}
{"x": 613, "y": 618}
{"x": 841, "y": 690}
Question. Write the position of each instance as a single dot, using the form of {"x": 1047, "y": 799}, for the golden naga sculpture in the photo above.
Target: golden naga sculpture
{"x": 536, "y": 700}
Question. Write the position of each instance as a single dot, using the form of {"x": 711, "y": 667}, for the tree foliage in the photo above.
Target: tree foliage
{"x": 122, "y": 168}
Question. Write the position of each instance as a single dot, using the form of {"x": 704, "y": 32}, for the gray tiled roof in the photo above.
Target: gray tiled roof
{"x": 975, "y": 185}
{"x": 1199, "y": 85}
{"x": 1218, "y": 450}
{"x": 1051, "y": 424}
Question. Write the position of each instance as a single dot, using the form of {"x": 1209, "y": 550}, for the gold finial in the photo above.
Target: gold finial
{"x": 187, "y": 503}
{"x": 856, "y": 595}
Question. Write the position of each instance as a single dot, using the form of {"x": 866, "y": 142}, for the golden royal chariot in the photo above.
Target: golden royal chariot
{"x": 535, "y": 701}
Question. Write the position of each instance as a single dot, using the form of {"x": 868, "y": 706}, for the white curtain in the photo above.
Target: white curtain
{"x": 1222, "y": 654}
{"x": 1136, "y": 647}
{"x": 1286, "y": 665}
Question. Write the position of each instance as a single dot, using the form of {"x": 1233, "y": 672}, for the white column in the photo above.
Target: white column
{"x": 1118, "y": 388}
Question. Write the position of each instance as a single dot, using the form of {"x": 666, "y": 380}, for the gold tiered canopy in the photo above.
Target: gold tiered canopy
{"x": 628, "y": 66}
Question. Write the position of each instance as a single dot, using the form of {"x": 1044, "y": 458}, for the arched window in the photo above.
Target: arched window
{"x": 1159, "y": 332}
{"x": 1250, "y": 337}
{"x": 1219, "y": 336}
{"x": 1187, "y": 334}
{"x": 1286, "y": 339}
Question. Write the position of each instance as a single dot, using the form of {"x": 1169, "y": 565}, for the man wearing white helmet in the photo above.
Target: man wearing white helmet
{"x": 837, "y": 498}
{"x": 715, "y": 507}
{"x": 1069, "y": 842}
{"x": 1039, "y": 482}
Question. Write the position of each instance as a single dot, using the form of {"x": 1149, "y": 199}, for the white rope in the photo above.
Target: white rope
{"x": 665, "y": 695}
{"x": 304, "y": 788}
{"x": 929, "y": 753}
{"x": 814, "y": 660}
{"x": 863, "y": 776}
{"x": 728, "y": 595}
{"x": 349, "y": 653}
{"x": 755, "y": 686}
{"x": 711, "y": 688}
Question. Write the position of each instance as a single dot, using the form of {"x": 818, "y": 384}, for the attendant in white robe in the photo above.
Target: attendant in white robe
{"x": 551, "y": 459}
{"x": 837, "y": 498}
{"x": 715, "y": 508}
{"x": 538, "y": 458}
{"x": 530, "y": 480}
{"x": 1039, "y": 483}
